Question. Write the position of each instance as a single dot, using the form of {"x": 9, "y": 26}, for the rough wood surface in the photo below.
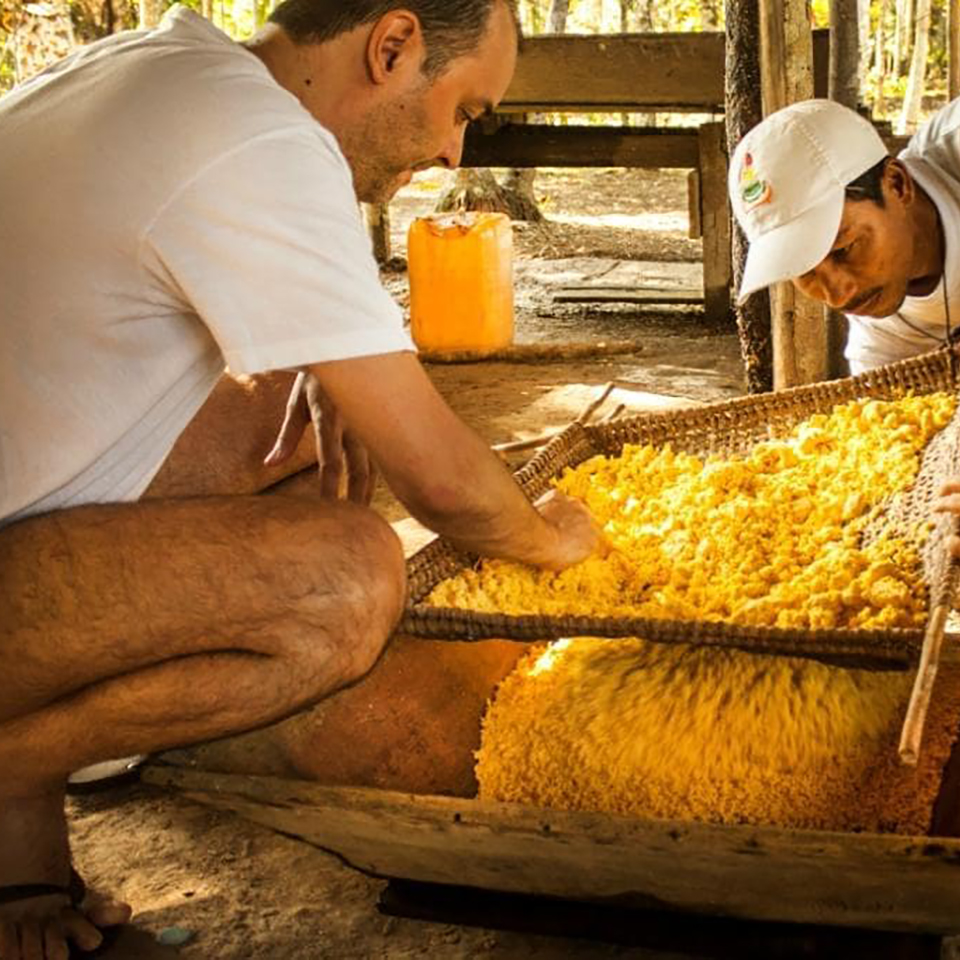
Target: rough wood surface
{"x": 536, "y": 352}
{"x": 744, "y": 111}
{"x": 762, "y": 873}
{"x": 542, "y": 145}
{"x": 597, "y": 293}
{"x": 679, "y": 71}
{"x": 715, "y": 222}
{"x": 800, "y": 342}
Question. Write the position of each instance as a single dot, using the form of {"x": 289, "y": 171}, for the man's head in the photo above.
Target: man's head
{"x": 398, "y": 82}
{"x": 824, "y": 205}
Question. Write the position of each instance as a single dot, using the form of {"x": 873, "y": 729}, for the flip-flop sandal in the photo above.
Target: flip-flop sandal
{"x": 75, "y": 891}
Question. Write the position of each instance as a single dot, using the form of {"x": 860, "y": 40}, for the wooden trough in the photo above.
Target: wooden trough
{"x": 882, "y": 882}
{"x": 391, "y": 758}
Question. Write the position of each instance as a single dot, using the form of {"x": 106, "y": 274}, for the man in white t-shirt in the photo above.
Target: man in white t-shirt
{"x": 174, "y": 203}
{"x": 824, "y": 205}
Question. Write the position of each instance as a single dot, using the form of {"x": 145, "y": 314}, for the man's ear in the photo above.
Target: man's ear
{"x": 897, "y": 184}
{"x": 395, "y": 46}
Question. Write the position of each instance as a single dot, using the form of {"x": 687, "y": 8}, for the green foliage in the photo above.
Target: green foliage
{"x": 882, "y": 80}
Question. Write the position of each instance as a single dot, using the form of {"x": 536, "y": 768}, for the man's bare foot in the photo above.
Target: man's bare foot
{"x": 35, "y": 851}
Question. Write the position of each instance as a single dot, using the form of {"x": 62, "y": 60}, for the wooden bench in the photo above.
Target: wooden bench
{"x": 661, "y": 72}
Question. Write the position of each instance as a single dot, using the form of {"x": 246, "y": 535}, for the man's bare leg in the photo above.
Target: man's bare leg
{"x": 133, "y": 628}
{"x": 222, "y": 450}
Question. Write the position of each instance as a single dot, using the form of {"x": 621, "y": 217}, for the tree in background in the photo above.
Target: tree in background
{"x": 910, "y": 113}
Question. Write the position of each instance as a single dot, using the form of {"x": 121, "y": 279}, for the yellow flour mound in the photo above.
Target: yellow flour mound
{"x": 772, "y": 538}
{"x": 680, "y": 732}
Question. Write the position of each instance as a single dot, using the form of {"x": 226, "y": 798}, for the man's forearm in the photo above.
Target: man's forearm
{"x": 437, "y": 466}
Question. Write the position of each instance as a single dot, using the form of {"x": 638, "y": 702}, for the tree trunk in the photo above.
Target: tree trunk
{"x": 557, "y": 22}
{"x": 149, "y": 14}
{"x": 880, "y": 61}
{"x": 901, "y": 42}
{"x": 863, "y": 20}
{"x": 517, "y": 190}
{"x": 710, "y": 14}
{"x": 953, "y": 28}
{"x": 646, "y": 23}
{"x": 43, "y": 35}
{"x": 473, "y": 189}
{"x": 910, "y": 115}
{"x": 844, "y": 53}
{"x": 743, "y": 112}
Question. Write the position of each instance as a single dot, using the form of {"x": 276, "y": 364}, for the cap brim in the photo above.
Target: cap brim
{"x": 791, "y": 250}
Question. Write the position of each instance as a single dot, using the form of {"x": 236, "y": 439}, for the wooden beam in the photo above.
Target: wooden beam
{"x": 541, "y": 145}
{"x": 623, "y": 72}
{"x": 377, "y": 216}
{"x": 800, "y": 341}
{"x": 762, "y": 873}
{"x": 715, "y": 222}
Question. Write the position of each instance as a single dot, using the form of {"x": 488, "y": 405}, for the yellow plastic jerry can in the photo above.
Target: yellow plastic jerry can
{"x": 461, "y": 282}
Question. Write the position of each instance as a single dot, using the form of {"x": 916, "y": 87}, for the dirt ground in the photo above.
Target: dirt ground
{"x": 245, "y": 893}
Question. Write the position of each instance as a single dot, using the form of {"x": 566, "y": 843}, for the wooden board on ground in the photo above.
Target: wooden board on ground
{"x": 602, "y": 293}
{"x": 761, "y": 873}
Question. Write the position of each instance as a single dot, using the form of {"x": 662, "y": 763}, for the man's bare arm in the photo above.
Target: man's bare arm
{"x": 442, "y": 471}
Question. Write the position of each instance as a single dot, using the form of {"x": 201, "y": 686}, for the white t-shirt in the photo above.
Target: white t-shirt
{"x": 166, "y": 208}
{"x": 933, "y": 159}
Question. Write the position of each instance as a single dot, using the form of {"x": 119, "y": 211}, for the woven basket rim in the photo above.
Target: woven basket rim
{"x": 438, "y": 559}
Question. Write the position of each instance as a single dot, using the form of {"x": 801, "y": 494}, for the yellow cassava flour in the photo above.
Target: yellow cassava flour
{"x": 774, "y": 538}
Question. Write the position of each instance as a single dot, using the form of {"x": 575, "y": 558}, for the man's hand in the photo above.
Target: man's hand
{"x": 337, "y": 447}
{"x": 577, "y": 533}
{"x": 949, "y": 502}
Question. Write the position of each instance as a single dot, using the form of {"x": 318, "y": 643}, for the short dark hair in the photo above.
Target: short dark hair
{"x": 451, "y": 28}
{"x": 869, "y": 185}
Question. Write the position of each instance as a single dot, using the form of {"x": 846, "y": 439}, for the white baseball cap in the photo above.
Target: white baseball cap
{"x": 787, "y": 180}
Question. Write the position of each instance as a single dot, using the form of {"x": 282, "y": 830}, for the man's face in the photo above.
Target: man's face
{"x": 423, "y": 125}
{"x": 868, "y": 269}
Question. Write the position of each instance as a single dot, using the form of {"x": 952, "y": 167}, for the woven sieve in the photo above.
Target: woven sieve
{"x": 726, "y": 428}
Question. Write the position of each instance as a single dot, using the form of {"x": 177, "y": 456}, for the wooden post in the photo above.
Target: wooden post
{"x": 845, "y": 59}
{"x": 953, "y": 26}
{"x": 715, "y": 222}
{"x": 800, "y": 344}
{"x": 845, "y": 53}
{"x": 377, "y": 216}
{"x": 743, "y": 112}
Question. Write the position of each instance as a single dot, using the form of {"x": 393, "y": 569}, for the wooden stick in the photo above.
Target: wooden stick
{"x": 535, "y": 353}
{"x": 913, "y": 724}
{"x": 538, "y": 441}
{"x": 588, "y": 411}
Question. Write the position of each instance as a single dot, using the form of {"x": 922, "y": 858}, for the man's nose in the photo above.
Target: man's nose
{"x": 828, "y": 285}
{"x": 452, "y": 153}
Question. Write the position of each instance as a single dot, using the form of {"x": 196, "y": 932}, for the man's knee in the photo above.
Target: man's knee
{"x": 360, "y": 589}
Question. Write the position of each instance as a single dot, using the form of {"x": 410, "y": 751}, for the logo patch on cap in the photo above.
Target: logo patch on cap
{"x": 754, "y": 190}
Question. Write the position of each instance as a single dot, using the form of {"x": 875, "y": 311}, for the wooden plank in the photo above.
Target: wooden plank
{"x": 800, "y": 341}
{"x": 615, "y": 72}
{"x": 694, "y": 203}
{"x": 543, "y": 145}
{"x": 590, "y": 293}
{"x": 762, "y": 873}
{"x": 715, "y": 223}
{"x": 377, "y": 217}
